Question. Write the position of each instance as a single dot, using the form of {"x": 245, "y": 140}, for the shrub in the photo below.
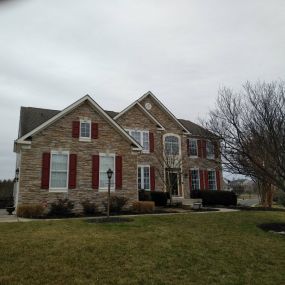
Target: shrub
{"x": 159, "y": 198}
{"x": 144, "y": 195}
{"x": 195, "y": 194}
{"x": 224, "y": 198}
{"x": 30, "y": 210}
{"x": 116, "y": 203}
{"x": 62, "y": 207}
{"x": 89, "y": 208}
{"x": 143, "y": 206}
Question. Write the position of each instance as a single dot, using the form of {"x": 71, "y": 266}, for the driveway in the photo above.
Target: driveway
{"x": 248, "y": 202}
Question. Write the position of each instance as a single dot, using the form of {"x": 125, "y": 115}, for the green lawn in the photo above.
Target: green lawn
{"x": 211, "y": 248}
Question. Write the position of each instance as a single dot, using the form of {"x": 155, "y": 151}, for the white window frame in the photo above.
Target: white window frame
{"x": 212, "y": 170}
{"x": 86, "y": 139}
{"x": 193, "y": 140}
{"x": 196, "y": 169}
{"x": 210, "y": 156}
{"x": 112, "y": 188}
{"x": 179, "y": 143}
{"x": 142, "y": 176}
{"x": 141, "y": 137}
{"x": 59, "y": 189}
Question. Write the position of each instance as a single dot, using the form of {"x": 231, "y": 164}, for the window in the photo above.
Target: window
{"x": 142, "y": 137}
{"x": 171, "y": 144}
{"x": 212, "y": 180}
{"x": 59, "y": 170}
{"x": 195, "y": 179}
{"x": 193, "y": 148}
{"x": 143, "y": 177}
{"x": 85, "y": 129}
{"x": 106, "y": 162}
{"x": 210, "y": 148}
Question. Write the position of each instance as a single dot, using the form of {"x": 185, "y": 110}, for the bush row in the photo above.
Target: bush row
{"x": 158, "y": 197}
{"x": 64, "y": 207}
{"x": 210, "y": 198}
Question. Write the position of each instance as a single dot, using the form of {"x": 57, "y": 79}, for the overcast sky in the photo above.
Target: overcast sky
{"x": 54, "y": 52}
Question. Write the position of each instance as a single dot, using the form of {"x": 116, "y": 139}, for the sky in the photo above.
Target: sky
{"x": 54, "y": 52}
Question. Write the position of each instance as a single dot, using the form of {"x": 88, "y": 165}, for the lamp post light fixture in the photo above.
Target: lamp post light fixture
{"x": 109, "y": 175}
{"x": 17, "y": 175}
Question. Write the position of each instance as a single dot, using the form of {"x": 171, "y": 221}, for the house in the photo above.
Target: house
{"x": 65, "y": 154}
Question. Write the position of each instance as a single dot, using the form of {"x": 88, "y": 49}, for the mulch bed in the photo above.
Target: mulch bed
{"x": 273, "y": 227}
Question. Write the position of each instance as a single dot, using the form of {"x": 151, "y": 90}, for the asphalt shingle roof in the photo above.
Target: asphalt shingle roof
{"x": 30, "y": 118}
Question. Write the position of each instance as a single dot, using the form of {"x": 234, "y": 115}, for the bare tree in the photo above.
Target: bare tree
{"x": 251, "y": 126}
{"x": 169, "y": 163}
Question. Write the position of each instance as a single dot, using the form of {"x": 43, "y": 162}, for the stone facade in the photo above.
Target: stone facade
{"x": 58, "y": 137}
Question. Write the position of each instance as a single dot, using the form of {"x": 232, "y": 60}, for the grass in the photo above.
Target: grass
{"x": 211, "y": 248}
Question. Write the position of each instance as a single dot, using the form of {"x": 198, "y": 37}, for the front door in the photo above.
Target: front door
{"x": 173, "y": 181}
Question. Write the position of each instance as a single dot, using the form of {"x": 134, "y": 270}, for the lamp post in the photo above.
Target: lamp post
{"x": 109, "y": 174}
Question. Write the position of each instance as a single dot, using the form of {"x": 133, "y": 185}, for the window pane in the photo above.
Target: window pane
{"x": 59, "y": 162}
{"x": 85, "y": 129}
{"x": 106, "y": 162}
{"x": 145, "y": 141}
{"x": 193, "y": 148}
{"x": 137, "y": 136}
{"x": 212, "y": 180}
{"x": 195, "y": 180}
{"x": 210, "y": 150}
{"x": 146, "y": 178}
{"x": 143, "y": 178}
{"x": 58, "y": 179}
{"x": 171, "y": 145}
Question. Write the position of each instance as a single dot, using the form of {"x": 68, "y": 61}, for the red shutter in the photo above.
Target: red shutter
{"x": 94, "y": 131}
{"x": 95, "y": 171}
{"x": 200, "y": 153}
{"x": 206, "y": 180}
{"x": 217, "y": 150}
{"x": 75, "y": 129}
{"x": 218, "y": 179}
{"x": 45, "y": 170}
{"x": 204, "y": 150}
{"x": 151, "y": 142}
{"x": 190, "y": 180}
{"x": 201, "y": 176}
{"x": 152, "y": 178}
{"x": 72, "y": 171}
{"x": 188, "y": 147}
{"x": 118, "y": 173}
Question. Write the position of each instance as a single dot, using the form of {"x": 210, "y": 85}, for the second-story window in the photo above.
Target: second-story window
{"x": 85, "y": 129}
{"x": 171, "y": 144}
{"x": 193, "y": 148}
{"x": 210, "y": 149}
{"x": 142, "y": 137}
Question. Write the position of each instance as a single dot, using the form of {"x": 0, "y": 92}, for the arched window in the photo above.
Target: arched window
{"x": 171, "y": 144}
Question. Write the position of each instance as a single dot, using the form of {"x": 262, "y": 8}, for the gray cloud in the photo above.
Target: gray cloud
{"x": 54, "y": 52}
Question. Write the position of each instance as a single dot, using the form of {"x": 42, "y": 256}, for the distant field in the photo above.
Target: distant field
{"x": 211, "y": 248}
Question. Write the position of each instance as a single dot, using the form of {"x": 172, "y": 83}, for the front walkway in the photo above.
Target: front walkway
{"x": 5, "y": 218}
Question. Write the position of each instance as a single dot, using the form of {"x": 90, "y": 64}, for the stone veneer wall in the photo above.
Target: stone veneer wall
{"x": 172, "y": 127}
{"x": 58, "y": 136}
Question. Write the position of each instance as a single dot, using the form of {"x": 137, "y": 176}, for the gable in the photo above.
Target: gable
{"x": 138, "y": 106}
{"x": 66, "y": 111}
{"x": 136, "y": 118}
{"x": 157, "y": 109}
